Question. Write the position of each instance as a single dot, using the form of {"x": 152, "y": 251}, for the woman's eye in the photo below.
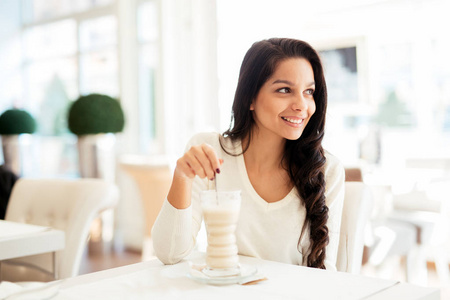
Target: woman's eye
{"x": 284, "y": 90}
{"x": 310, "y": 92}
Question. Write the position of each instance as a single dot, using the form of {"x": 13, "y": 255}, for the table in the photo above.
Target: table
{"x": 153, "y": 176}
{"x": 153, "y": 280}
{"x": 20, "y": 239}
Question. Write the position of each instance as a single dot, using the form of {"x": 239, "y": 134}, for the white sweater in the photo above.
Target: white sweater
{"x": 265, "y": 230}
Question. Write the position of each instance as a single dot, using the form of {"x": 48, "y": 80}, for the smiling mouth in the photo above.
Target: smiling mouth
{"x": 293, "y": 121}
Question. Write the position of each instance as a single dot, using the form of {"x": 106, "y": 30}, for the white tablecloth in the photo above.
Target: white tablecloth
{"x": 152, "y": 280}
{"x": 19, "y": 239}
{"x": 14, "y": 229}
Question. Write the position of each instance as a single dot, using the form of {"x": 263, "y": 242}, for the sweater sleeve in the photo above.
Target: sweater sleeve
{"x": 335, "y": 176}
{"x": 170, "y": 234}
{"x": 175, "y": 230}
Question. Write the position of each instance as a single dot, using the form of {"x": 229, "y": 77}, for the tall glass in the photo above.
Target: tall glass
{"x": 221, "y": 213}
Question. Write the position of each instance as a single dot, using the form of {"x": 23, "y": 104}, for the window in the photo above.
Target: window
{"x": 68, "y": 48}
{"x": 43, "y": 10}
{"x": 61, "y": 49}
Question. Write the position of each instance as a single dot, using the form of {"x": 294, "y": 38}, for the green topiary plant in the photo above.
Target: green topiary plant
{"x": 95, "y": 113}
{"x": 16, "y": 121}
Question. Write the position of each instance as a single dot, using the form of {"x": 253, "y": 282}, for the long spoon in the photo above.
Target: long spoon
{"x": 215, "y": 188}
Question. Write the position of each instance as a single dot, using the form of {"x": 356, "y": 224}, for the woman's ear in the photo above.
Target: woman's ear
{"x": 252, "y": 107}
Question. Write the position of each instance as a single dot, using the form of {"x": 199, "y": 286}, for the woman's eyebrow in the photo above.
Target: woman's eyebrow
{"x": 282, "y": 81}
{"x": 290, "y": 83}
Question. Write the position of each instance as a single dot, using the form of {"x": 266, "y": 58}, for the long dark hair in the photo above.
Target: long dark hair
{"x": 303, "y": 157}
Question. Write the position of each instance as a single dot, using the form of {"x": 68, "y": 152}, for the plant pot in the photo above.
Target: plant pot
{"x": 11, "y": 152}
{"x": 14, "y": 148}
{"x": 96, "y": 156}
{"x": 97, "y": 159}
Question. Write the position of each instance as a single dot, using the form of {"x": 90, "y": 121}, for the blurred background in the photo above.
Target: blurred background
{"x": 174, "y": 65}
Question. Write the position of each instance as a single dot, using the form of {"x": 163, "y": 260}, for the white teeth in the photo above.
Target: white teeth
{"x": 292, "y": 120}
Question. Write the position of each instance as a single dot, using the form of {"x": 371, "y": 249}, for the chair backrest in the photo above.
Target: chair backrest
{"x": 65, "y": 204}
{"x": 356, "y": 212}
{"x": 353, "y": 174}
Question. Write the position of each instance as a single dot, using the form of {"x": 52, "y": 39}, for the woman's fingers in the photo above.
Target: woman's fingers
{"x": 183, "y": 168}
{"x": 191, "y": 165}
{"x": 213, "y": 159}
{"x": 200, "y": 160}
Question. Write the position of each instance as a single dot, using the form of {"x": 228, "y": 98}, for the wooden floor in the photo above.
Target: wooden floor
{"x": 97, "y": 259}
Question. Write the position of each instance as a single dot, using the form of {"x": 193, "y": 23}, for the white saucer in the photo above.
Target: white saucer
{"x": 197, "y": 273}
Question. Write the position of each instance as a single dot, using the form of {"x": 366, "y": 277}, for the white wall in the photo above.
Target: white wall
{"x": 189, "y": 71}
{"x": 371, "y": 25}
{"x": 10, "y": 49}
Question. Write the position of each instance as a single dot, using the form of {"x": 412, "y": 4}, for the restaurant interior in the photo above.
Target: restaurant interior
{"x": 171, "y": 67}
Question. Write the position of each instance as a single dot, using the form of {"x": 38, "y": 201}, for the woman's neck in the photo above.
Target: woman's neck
{"x": 264, "y": 153}
{"x": 263, "y": 160}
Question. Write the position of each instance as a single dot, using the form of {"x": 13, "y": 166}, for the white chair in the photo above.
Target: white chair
{"x": 68, "y": 205}
{"x": 356, "y": 212}
{"x": 429, "y": 215}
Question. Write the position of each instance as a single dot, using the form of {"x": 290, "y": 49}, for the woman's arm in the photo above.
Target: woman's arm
{"x": 175, "y": 230}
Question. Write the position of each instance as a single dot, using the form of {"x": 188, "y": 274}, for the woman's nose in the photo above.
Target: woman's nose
{"x": 300, "y": 103}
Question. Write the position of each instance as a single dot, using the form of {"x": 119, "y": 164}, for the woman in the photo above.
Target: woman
{"x": 292, "y": 190}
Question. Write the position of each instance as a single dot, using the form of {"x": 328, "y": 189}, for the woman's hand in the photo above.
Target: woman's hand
{"x": 200, "y": 160}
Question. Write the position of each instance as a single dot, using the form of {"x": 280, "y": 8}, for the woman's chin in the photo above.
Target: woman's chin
{"x": 293, "y": 137}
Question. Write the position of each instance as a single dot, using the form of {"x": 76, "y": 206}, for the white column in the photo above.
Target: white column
{"x": 128, "y": 60}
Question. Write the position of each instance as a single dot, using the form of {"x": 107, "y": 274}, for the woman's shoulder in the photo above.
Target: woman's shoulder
{"x": 334, "y": 178}
{"x": 333, "y": 166}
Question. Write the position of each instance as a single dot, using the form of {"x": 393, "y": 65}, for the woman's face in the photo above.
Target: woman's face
{"x": 285, "y": 103}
